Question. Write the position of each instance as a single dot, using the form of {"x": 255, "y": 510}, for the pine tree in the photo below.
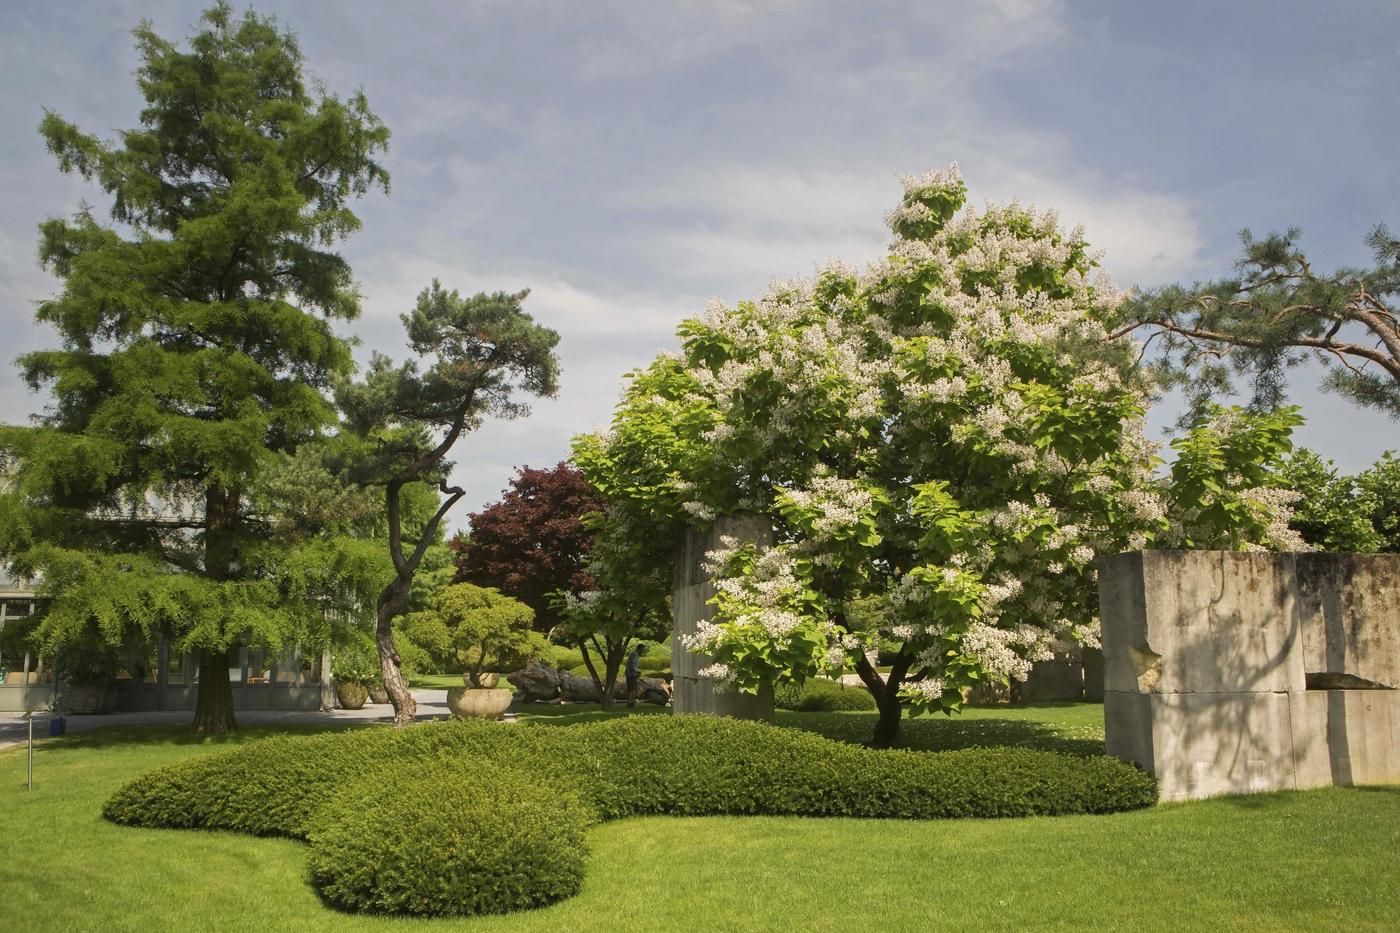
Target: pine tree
{"x": 196, "y": 341}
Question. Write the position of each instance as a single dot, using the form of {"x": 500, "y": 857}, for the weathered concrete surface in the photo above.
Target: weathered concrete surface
{"x": 692, "y": 693}
{"x": 1092, "y": 659}
{"x": 1348, "y": 604}
{"x": 1208, "y": 656}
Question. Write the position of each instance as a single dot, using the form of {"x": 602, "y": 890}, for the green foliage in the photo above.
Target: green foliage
{"x": 445, "y": 840}
{"x": 477, "y": 628}
{"x": 1328, "y": 514}
{"x": 819, "y": 695}
{"x": 1228, "y": 486}
{"x": 1378, "y": 493}
{"x": 630, "y": 601}
{"x": 315, "y": 788}
{"x": 356, "y": 660}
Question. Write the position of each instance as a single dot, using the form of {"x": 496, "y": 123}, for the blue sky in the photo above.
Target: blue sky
{"x": 631, "y": 161}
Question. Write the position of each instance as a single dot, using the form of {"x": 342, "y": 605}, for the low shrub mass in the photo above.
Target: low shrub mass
{"x": 469, "y": 817}
{"x": 819, "y": 695}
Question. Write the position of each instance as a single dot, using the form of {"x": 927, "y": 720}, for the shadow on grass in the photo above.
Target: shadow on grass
{"x": 173, "y": 736}
{"x": 936, "y": 734}
{"x": 927, "y": 733}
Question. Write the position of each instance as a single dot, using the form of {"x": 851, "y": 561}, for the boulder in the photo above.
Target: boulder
{"x": 542, "y": 683}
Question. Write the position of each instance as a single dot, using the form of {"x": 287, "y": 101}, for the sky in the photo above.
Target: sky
{"x": 629, "y": 162}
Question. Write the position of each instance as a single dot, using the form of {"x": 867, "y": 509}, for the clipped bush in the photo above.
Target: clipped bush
{"x": 819, "y": 695}
{"x": 446, "y": 840}
{"x": 472, "y": 817}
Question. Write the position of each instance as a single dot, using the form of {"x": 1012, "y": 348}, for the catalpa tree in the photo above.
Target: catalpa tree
{"x": 948, "y": 433}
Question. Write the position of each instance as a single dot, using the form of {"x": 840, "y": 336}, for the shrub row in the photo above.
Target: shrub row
{"x": 471, "y": 817}
{"x": 820, "y": 695}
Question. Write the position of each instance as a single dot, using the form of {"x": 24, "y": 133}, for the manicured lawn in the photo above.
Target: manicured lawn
{"x": 1322, "y": 859}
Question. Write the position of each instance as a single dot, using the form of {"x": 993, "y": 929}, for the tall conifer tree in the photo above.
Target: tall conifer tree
{"x": 195, "y": 341}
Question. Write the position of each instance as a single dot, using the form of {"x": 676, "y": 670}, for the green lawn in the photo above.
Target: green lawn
{"x": 1321, "y": 859}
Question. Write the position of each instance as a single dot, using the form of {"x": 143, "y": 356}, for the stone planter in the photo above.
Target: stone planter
{"x": 487, "y": 680}
{"x": 378, "y": 695}
{"x": 88, "y": 698}
{"x": 483, "y": 703}
{"x": 351, "y": 696}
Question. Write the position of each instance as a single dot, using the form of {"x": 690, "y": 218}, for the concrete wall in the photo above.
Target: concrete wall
{"x": 1209, "y": 656}
{"x": 690, "y": 605}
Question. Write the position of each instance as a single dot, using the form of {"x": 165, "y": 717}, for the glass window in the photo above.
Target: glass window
{"x": 16, "y": 608}
{"x": 288, "y": 668}
{"x": 259, "y": 670}
{"x": 311, "y": 668}
{"x": 175, "y": 667}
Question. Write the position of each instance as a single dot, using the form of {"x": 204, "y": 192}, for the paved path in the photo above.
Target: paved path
{"x": 432, "y": 704}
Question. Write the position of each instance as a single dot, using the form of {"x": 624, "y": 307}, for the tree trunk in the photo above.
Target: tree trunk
{"x": 886, "y": 693}
{"x": 611, "y": 664}
{"x": 887, "y": 727}
{"x": 391, "y": 603}
{"x": 213, "y": 710}
{"x": 605, "y": 697}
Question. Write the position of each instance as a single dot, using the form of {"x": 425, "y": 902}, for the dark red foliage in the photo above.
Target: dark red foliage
{"x": 533, "y": 541}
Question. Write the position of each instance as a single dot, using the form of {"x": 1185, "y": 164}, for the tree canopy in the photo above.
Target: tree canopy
{"x": 1273, "y": 314}
{"x": 533, "y": 542}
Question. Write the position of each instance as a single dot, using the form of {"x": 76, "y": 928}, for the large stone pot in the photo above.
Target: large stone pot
{"x": 478, "y": 703}
{"x": 89, "y": 697}
{"x": 378, "y": 695}
{"x": 350, "y": 695}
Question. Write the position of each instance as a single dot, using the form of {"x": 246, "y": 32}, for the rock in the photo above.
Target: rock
{"x": 540, "y": 682}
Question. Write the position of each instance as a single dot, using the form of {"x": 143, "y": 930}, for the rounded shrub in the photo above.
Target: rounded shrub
{"x": 820, "y": 695}
{"x": 469, "y": 817}
{"x": 449, "y": 839}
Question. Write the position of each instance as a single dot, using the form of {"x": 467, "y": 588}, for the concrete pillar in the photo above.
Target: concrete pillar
{"x": 1060, "y": 678}
{"x": 1092, "y": 658}
{"x": 690, "y": 598}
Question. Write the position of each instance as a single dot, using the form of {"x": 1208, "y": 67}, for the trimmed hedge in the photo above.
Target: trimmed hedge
{"x": 449, "y": 842}
{"x": 472, "y": 817}
{"x": 820, "y": 695}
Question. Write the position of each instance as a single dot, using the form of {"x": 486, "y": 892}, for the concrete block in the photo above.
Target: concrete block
{"x": 1221, "y": 669}
{"x": 1061, "y": 678}
{"x": 1092, "y": 659}
{"x": 1199, "y": 622}
{"x": 1205, "y": 744}
{"x": 1349, "y": 606}
{"x": 1350, "y": 737}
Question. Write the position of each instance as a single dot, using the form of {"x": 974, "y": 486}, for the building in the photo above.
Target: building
{"x": 169, "y": 679}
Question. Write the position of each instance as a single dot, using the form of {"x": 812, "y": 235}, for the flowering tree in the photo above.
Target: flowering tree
{"x": 949, "y": 433}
